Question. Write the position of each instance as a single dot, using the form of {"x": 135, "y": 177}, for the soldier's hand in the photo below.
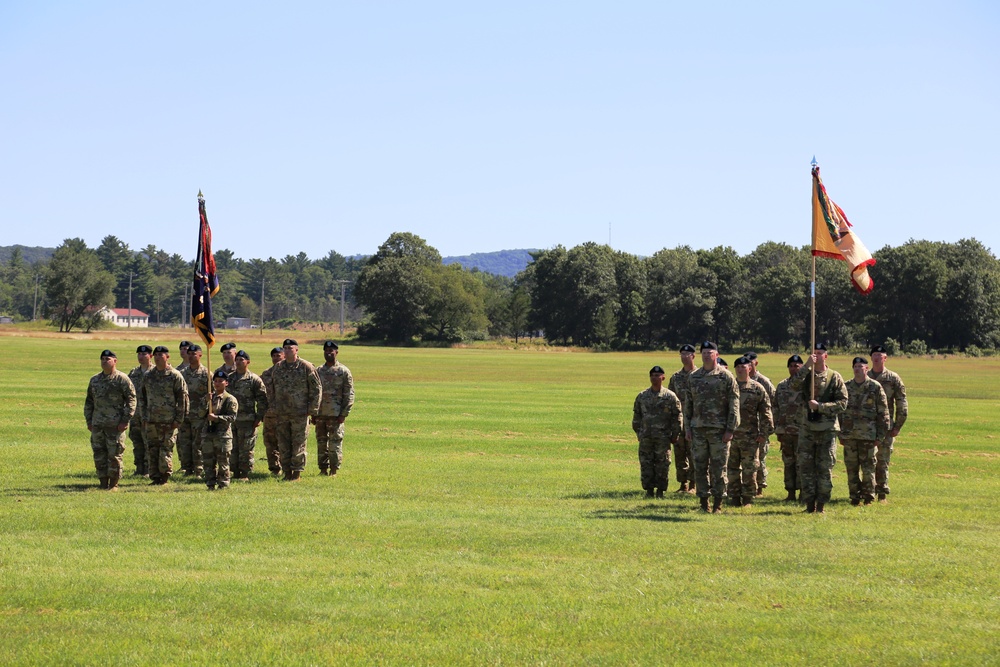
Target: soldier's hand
{"x": 256, "y": 424}
{"x": 122, "y": 427}
{"x": 90, "y": 428}
{"x": 340, "y": 420}
{"x": 814, "y": 405}
{"x": 727, "y": 436}
{"x": 894, "y": 432}
{"x": 761, "y": 439}
{"x": 312, "y": 420}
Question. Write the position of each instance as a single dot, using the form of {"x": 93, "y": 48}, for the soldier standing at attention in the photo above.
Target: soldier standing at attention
{"x": 682, "y": 448}
{"x": 270, "y": 416}
{"x": 189, "y": 437}
{"x": 787, "y": 408}
{"x": 184, "y": 346}
{"x": 217, "y": 439}
{"x": 755, "y": 426}
{"x": 864, "y": 424}
{"x": 248, "y": 390}
{"x": 335, "y": 406}
{"x": 143, "y": 354}
{"x": 895, "y": 394}
{"x": 163, "y": 402}
{"x": 765, "y": 382}
{"x": 711, "y": 415}
{"x": 657, "y": 421}
{"x": 108, "y": 409}
{"x": 228, "y": 358}
{"x": 817, "y": 447}
{"x": 297, "y": 393}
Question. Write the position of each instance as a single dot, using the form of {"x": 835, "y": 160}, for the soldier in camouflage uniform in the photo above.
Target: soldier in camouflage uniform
{"x": 787, "y": 409}
{"x": 228, "y": 359}
{"x": 163, "y": 403}
{"x": 765, "y": 382}
{"x": 144, "y": 354}
{"x": 189, "y": 436}
{"x": 817, "y": 448}
{"x": 249, "y": 391}
{"x": 297, "y": 394}
{"x": 682, "y": 448}
{"x": 711, "y": 415}
{"x": 184, "y": 347}
{"x": 755, "y": 426}
{"x": 108, "y": 409}
{"x": 863, "y": 424}
{"x": 217, "y": 438}
{"x": 657, "y": 421}
{"x": 335, "y": 406}
{"x": 271, "y": 417}
{"x": 895, "y": 394}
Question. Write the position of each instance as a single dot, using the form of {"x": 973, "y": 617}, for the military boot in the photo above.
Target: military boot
{"x": 104, "y": 482}
{"x": 683, "y": 488}
{"x": 659, "y": 493}
{"x": 881, "y": 498}
{"x": 287, "y": 476}
{"x": 855, "y": 501}
{"x": 164, "y": 478}
{"x": 296, "y": 475}
{"x": 735, "y": 501}
{"x": 819, "y": 508}
{"x": 113, "y": 482}
{"x": 704, "y": 504}
{"x": 324, "y": 472}
{"x": 650, "y": 493}
{"x": 791, "y": 496}
{"x": 810, "y": 507}
{"x": 717, "y": 505}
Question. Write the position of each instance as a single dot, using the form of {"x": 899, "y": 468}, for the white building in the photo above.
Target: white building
{"x": 120, "y": 317}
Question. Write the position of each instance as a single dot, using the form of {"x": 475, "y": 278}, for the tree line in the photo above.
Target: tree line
{"x": 928, "y": 295}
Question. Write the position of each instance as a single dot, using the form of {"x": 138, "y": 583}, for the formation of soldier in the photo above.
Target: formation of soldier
{"x": 721, "y": 437}
{"x": 213, "y": 418}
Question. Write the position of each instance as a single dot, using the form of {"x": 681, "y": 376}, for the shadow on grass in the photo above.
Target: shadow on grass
{"x": 652, "y": 512}
{"x": 608, "y": 495}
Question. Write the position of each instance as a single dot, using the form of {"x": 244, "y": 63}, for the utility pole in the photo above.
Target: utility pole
{"x": 34, "y": 307}
{"x": 343, "y": 287}
{"x": 262, "y": 306}
{"x": 130, "y": 299}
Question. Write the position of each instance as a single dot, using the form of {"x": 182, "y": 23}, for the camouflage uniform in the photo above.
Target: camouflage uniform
{"x": 248, "y": 390}
{"x": 228, "y": 370}
{"x": 816, "y": 453}
{"x": 110, "y": 402}
{"x": 744, "y": 451}
{"x": 865, "y": 423}
{"x": 270, "y": 425}
{"x": 656, "y": 420}
{"x": 163, "y": 402}
{"x": 711, "y": 407}
{"x": 297, "y": 393}
{"x": 895, "y": 394}
{"x": 765, "y": 382}
{"x": 217, "y": 440}
{"x": 337, "y": 401}
{"x": 189, "y": 436}
{"x": 135, "y": 431}
{"x": 682, "y": 448}
{"x": 788, "y": 408}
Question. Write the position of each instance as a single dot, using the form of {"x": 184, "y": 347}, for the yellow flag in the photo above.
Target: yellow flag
{"x": 832, "y": 237}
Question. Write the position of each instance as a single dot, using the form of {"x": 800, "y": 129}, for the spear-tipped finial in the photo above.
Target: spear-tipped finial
{"x": 814, "y": 163}
{"x": 201, "y": 197}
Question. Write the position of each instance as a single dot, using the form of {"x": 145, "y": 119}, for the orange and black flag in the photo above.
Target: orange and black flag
{"x": 832, "y": 236}
{"x": 206, "y": 282}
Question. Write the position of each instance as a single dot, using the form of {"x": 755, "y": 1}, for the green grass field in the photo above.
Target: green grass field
{"x": 489, "y": 513}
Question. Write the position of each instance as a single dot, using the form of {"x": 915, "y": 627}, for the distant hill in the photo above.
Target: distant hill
{"x": 31, "y": 255}
{"x": 501, "y": 262}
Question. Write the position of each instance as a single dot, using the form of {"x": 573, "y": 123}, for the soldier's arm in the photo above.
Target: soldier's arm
{"x": 733, "y": 420}
{"x": 677, "y": 423}
{"x": 881, "y": 414}
{"x": 260, "y": 401}
{"x": 348, "y": 396}
{"x": 765, "y": 417}
{"x": 88, "y": 406}
{"x": 315, "y": 392}
{"x": 182, "y": 402}
{"x": 229, "y": 409}
{"x": 838, "y": 392}
{"x": 130, "y": 403}
{"x": 636, "y": 415}
{"x": 900, "y": 407}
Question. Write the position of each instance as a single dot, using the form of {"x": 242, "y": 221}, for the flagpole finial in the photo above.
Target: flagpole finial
{"x": 814, "y": 163}
{"x": 201, "y": 197}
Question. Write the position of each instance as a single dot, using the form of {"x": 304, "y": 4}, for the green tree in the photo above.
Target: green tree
{"x": 76, "y": 280}
{"x": 455, "y": 305}
{"x": 730, "y": 291}
{"x": 678, "y": 297}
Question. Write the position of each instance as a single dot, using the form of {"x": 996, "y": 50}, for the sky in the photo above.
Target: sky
{"x": 318, "y": 126}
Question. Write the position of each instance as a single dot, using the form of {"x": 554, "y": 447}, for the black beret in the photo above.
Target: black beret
{"x": 227, "y": 346}
{"x": 751, "y": 355}
{"x": 144, "y": 349}
{"x": 687, "y": 347}
{"x": 709, "y": 345}
{"x": 656, "y": 369}
{"x": 220, "y": 375}
{"x": 722, "y": 362}
{"x": 330, "y": 345}
{"x": 859, "y": 360}
{"x": 242, "y": 354}
{"x": 820, "y": 346}
{"x": 276, "y": 350}
{"x": 194, "y": 347}
{"x": 880, "y": 348}
{"x": 742, "y": 361}
{"x": 108, "y": 353}
{"x": 161, "y": 349}
{"x": 184, "y": 343}
{"x": 289, "y": 341}
{"x": 794, "y": 359}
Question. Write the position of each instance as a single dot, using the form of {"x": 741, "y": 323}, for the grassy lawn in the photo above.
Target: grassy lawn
{"x": 489, "y": 512}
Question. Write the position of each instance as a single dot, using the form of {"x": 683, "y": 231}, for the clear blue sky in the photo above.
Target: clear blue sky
{"x": 479, "y": 126}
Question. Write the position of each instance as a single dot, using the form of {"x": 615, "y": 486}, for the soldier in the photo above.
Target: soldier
{"x": 189, "y": 437}
{"x": 817, "y": 447}
{"x": 163, "y": 402}
{"x": 228, "y": 358}
{"x": 765, "y": 382}
{"x": 297, "y": 394}
{"x": 249, "y": 391}
{"x": 722, "y": 362}
{"x": 755, "y": 426}
{"x": 143, "y": 354}
{"x": 657, "y": 421}
{"x": 864, "y": 424}
{"x": 682, "y": 448}
{"x": 895, "y": 394}
{"x": 108, "y": 409}
{"x": 271, "y": 417}
{"x": 184, "y": 347}
{"x": 787, "y": 409}
{"x": 711, "y": 415}
{"x": 217, "y": 439}
{"x": 335, "y": 406}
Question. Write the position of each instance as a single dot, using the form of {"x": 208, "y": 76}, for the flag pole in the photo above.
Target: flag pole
{"x": 208, "y": 348}
{"x": 812, "y": 311}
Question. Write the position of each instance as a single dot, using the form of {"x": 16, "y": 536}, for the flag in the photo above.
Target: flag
{"x": 832, "y": 237}
{"x": 206, "y": 282}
